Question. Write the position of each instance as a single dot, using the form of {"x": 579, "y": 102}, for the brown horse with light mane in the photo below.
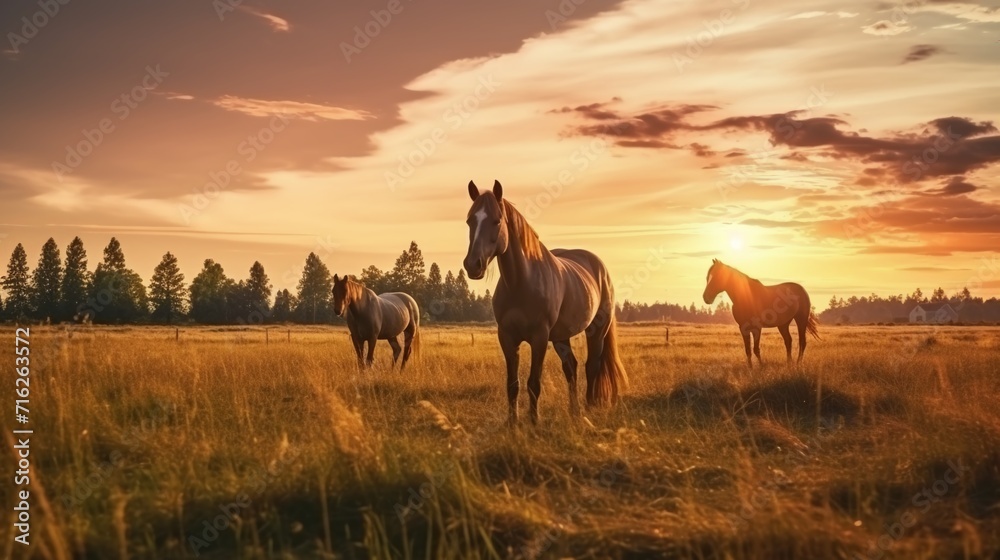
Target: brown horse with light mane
{"x": 756, "y": 306}
{"x": 544, "y": 296}
{"x": 373, "y": 317}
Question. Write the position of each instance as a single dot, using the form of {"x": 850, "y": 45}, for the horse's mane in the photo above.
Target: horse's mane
{"x": 738, "y": 272}
{"x": 531, "y": 245}
{"x": 355, "y": 287}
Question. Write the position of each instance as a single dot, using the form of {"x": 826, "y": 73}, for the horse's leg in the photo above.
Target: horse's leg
{"x": 510, "y": 347}
{"x": 745, "y": 332}
{"x": 538, "y": 347}
{"x": 787, "y": 337}
{"x": 756, "y": 345}
{"x": 408, "y": 343}
{"x": 371, "y": 351}
{"x": 565, "y": 352}
{"x": 801, "y": 324}
{"x": 359, "y": 347}
{"x": 396, "y": 349}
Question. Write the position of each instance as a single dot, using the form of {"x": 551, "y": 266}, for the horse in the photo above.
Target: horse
{"x": 373, "y": 317}
{"x": 756, "y": 306}
{"x": 544, "y": 296}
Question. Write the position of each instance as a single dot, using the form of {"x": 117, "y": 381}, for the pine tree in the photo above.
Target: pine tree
{"x": 939, "y": 296}
{"x": 117, "y": 291}
{"x": 434, "y": 288}
{"x": 210, "y": 294}
{"x": 17, "y": 284}
{"x": 46, "y": 282}
{"x": 114, "y": 257}
{"x": 257, "y": 293}
{"x": 408, "y": 273}
{"x": 314, "y": 292}
{"x": 166, "y": 290}
{"x": 373, "y": 277}
{"x": 75, "y": 281}
{"x": 284, "y": 305}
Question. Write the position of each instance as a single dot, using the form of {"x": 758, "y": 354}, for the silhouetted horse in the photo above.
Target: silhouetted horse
{"x": 373, "y": 317}
{"x": 544, "y": 296}
{"x": 756, "y": 306}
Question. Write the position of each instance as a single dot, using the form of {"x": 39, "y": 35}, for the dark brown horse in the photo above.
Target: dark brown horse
{"x": 756, "y": 307}
{"x": 373, "y": 317}
{"x": 544, "y": 296}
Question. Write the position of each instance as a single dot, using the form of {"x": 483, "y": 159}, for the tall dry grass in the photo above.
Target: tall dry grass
{"x": 143, "y": 442}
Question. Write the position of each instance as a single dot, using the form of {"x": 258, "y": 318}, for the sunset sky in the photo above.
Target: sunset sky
{"x": 849, "y": 146}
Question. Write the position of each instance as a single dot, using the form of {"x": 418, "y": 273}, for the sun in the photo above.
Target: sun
{"x": 736, "y": 242}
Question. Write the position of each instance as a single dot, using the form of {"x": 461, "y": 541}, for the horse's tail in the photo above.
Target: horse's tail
{"x": 812, "y": 325}
{"x": 415, "y": 345}
{"x": 611, "y": 378}
{"x": 415, "y": 318}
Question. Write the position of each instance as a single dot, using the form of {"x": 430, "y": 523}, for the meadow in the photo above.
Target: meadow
{"x": 210, "y": 442}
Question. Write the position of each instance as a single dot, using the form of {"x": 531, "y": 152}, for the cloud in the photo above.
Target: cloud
{"x": 961, "y": 10}
{"x": 945, "y": 146}
{"x": 807, "y": 15}
{"x": 816, "y": 14}
{"x": 886, "y": 28}
{"x": 276, "y": 23}
{"x": 921, "y": 52}
{"x": 954, "y": 187}
{"x": 293, "y": 109}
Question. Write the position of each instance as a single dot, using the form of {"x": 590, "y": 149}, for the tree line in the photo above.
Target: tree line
{"x": 896, "y": 308}
{"x": 67, "y": 290}
{"x": 58, "y": 290}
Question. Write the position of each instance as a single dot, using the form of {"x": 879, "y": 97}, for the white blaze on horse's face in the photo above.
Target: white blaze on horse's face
{"x": 486, "y": 227}
{"x": 480, "y": 218}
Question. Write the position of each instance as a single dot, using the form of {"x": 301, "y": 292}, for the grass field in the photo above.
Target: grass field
{"x": 885, "y": 443}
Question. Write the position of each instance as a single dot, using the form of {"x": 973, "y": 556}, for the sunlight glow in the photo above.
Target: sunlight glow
{"x": 736, "y": 242}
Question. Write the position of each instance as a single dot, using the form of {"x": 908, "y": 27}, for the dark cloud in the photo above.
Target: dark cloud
{"x": 921, "y": 52}
{"x": 64, "y": 79}
{"x": 954, "y": 187}
{"x": 943, "y": 147}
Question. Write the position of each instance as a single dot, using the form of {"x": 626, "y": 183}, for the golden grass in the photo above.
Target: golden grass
{"x": 143, "y": 441}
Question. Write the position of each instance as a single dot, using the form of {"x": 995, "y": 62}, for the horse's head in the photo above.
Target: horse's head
{"x": 344, "y": 293}
{"x": 487, "y": 229}
{"x": 715, "y": 282}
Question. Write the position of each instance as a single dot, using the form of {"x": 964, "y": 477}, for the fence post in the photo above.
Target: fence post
{"x": 289, "y": 335}
{"x": 177, "y": 334}
{"x": 267, "y": 336}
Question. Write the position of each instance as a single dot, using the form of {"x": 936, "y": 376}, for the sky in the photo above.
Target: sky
{"x": 850, "y": 146}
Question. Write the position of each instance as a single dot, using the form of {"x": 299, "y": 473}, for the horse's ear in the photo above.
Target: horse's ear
{"x": 497, "y": 190}
{"x": 715, "y": 261}
{"x": 473, "y": 191}
{"x": 336, "y": 279}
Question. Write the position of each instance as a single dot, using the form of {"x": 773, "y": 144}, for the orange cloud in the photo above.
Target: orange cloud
{"x": 276, "y": 23}
{"x": 294, "y": 109}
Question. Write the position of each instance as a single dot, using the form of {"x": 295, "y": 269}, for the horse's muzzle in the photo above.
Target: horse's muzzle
{"x": 475, "y": 268}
